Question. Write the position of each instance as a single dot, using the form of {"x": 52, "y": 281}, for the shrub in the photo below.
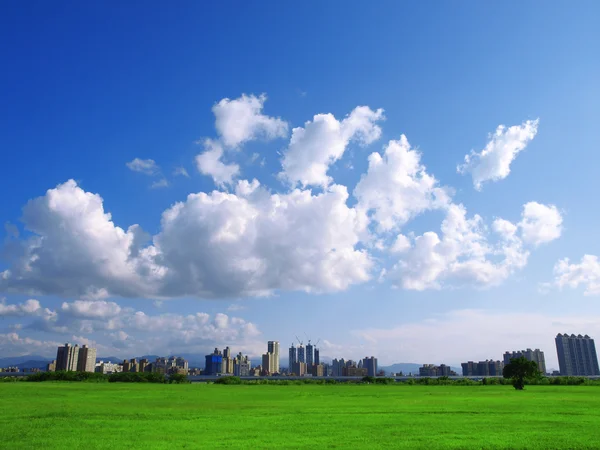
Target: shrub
{"x": 178, "y": 378}
{"x": 230, "y": 380}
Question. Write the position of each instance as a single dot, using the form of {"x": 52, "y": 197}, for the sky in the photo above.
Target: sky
{"x": 410, "y": 181}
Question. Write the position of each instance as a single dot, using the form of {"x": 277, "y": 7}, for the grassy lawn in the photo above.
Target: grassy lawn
{"x": 112, "y": 415}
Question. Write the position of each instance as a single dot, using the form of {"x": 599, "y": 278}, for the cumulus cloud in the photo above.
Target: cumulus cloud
{"x": 87, "y": 309}
{"x": 241, "y": 120}
{"x": 467, "y": 254}
{"x": 322, "y": 141}
{"x": 540, "y": 223}
{"x": 493, "y": 162}
{"x": 397, "y": 187}
{"x": 253, "y": 242}
{"x": 77, "y": 249}
{"x": 211, "y": 245}
{"x": 248, "y": 241}
{"x": 12, "y": 344}
{"x": 29, "y": 308}
{"x": 145, "y": 166}
{"x": 572, "y": 275}
{"x": 209, "y": 163}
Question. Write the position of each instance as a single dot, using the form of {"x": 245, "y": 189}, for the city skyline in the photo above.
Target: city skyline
{"x": 398, "y": 180}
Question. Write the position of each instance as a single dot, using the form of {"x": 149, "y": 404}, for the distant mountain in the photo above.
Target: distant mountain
{"x": 27, "y": 361}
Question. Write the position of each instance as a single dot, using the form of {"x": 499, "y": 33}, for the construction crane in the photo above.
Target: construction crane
{"x": 299, "y": 341}
{"x": 319, "y": 340}
{"x": 307, "y": 338}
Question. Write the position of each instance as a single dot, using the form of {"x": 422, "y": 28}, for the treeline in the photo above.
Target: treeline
{"x": 119, "y": 377}
{"x": 148, "y": 377}
{"x": 441, "y": 381}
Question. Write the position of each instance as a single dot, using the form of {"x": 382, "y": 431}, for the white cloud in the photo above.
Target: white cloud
{"x": 401, "y": 244}
{"x": 434, "y": 340}
{"x": 87, "y": 309}
{"x": 145, "y": 166}
{"x": 162, "y": 183}
{"x": 211, "y": 245}
{"x": 397, "y": 187}
{"x": 322, "y": 141}
{"x": 209, "y": 163}
{"x": 463, "y": 255}
{"x": 493, "y": 162}
{"x": 11, "y": 344}
{"x": 29, "y": 308}
{"x": 540, "y": 223}
{"x": 76, "y": 249}
{"x": 241, "y": 120}
{"x": 181, "y": 171}
{"x": 254, "y": 242}
{"x": 586, "y": 274}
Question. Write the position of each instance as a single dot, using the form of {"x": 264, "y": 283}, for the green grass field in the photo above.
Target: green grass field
{"x": 64, "y": 415}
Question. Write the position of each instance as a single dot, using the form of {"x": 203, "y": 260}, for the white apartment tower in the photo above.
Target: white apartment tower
{"x": 273, "y": 349}
{"x": 86, "y": 361}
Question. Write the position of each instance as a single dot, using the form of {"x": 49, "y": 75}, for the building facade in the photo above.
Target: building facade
{"x": 214, "y": 363}
{"x": 273, "y": 349}
{"x": 67, "y": 357}
{"x": 267, "y": 362}
{"x": 485, "y": 368}
{"x": 86, "y": 362}
{"x": 301, "y": 357}
{"x": 292, "y": 357}
{"x": 371, "y": 365}
{"x": 531, "y": 355}
{"x": 317, "y": 357}
{"x": 309, "y": 355}
{"x": 299, "y": 369}
{"x": 576, "y": 355}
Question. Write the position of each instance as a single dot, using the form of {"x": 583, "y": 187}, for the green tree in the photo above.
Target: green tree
{"x": 518, "y": 370}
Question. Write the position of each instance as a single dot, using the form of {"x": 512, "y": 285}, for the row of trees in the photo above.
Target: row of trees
{"x": 122, "y": 377}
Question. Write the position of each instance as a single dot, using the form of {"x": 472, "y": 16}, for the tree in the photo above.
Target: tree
{"x": 518, "y": 369}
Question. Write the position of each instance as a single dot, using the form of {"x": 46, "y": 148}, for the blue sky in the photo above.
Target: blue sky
{"x": 87, "y": 89}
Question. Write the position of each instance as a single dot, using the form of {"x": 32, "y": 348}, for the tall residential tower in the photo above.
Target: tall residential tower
{"x": 273, "y": 349}
{"x": 576, "y": 355}
{"x": 67, "y": 357}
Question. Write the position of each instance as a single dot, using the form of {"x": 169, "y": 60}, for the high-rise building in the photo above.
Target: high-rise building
{"x": 241, "y": 366}
{"x": 299, "y": 369}
{"x": 143, "y": 365}
{"x": 51, "y": 367}
{"x": 214, "y": 363}
{"x": 337, "y": 367}
{"x": 301, "y": 357}
{"x": 86, "y": 361}
{"x": 576, "y": 355}
{"x": 293, "y": 357}
{"x": 482, "y": 368}
{"x": 317, "y": 358}
{"x": 531, "y": 355}
{"x": 273, "y": 349}
{"x": 371, "y": 365}
{"x": 67, "y": 357}
{"x": 309, "y": 355}
{"x": 267, "y": 362}
{"x": 317, "y": 370}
